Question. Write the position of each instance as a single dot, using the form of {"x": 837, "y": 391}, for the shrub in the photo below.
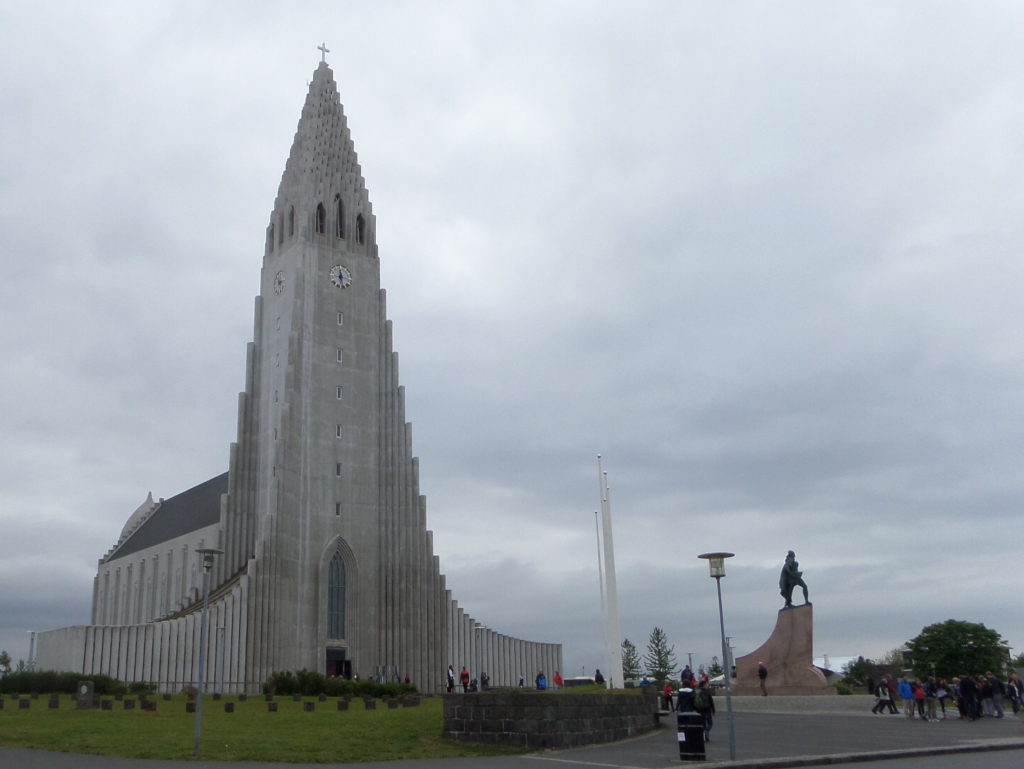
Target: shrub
{"x": 51, "y": 682}
{"x": 310, "y": 684}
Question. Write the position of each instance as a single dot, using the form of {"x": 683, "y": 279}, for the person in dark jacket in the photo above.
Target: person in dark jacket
{"x": 704, "y": 703}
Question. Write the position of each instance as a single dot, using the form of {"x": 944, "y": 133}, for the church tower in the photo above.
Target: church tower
{"x": 346, "y": 570}
{"x": 327, "y": 563}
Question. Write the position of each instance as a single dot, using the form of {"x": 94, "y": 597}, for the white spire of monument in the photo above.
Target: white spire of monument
{"x": 613, "y": 630}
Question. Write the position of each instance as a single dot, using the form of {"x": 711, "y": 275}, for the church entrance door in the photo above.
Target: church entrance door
{"x": 337, "y": 664}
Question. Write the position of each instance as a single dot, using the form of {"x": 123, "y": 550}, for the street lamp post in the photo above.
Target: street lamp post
{"x": 208, "y": 554}
{"x": 716, "y": 564}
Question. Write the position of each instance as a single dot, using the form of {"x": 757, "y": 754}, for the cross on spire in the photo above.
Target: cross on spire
{"x": 324, "y": 50}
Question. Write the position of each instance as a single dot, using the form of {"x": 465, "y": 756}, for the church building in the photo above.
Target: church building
{"x": 325, "y": 561}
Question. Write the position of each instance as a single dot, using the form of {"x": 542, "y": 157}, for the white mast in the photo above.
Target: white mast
{"x": 600, "y": 582}
{"x": 613, "y": 635}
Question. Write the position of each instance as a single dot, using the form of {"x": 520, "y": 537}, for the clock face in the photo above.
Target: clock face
{"x": 340, "y": 276}
{"x": 279, "y": 283}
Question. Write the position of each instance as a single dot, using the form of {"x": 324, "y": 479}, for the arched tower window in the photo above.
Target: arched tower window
{"x": 336, "y": 598}
{"x": 321, "y": 218}
{"x": 339, "y": 212}
{"x": 291, "y": 221}
{"x": 280, "y": 229}
{"x": 360, "y": 229}
{"x": 270, "y": 238}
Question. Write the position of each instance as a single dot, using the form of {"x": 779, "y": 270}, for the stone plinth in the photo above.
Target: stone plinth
{"x": 789, "y": 656}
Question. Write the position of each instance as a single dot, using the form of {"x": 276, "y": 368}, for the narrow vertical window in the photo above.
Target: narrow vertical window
{"x": 339, "y": 355}
{"x": 339, "y": 213}
{"x": 291, "y": 221}
{"x": 280, "y": 229}
{"x": 341, "y": 319}
{"x": 337, "y": 392}
{"x": 270, "y": 238}
{"x": 336, "y": 598}
{"x": 337, "y": 469}
{"x": 360, "y": 229}
{"x": 321, "y": 217}
{"x": 337, "y": 431}
{"x": 337, "y": 508}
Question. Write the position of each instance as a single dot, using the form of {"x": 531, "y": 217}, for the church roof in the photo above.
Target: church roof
{"x": 193, "y": 509}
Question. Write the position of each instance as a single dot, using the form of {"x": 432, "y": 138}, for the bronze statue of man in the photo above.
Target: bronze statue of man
{"x": 790, "y": 577}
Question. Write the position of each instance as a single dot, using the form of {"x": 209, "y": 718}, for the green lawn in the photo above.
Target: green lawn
{"x": 251, "y": 733}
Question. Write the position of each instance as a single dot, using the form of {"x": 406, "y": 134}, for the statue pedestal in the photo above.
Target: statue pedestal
{"x": 788, "y": 654}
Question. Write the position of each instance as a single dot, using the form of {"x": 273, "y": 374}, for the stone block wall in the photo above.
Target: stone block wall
{"x": 529, "y": 719}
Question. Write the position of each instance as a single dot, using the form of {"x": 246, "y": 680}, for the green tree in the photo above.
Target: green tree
{"x": 858, "y": 671}
{"x": 660, "y": 657}
{"x": 893, "y": 657}
{"x": 715, "y": 668}
{"x": 5, "y": 662}
{"x": 953, "y": 647}
{"x": 630, "y": 661}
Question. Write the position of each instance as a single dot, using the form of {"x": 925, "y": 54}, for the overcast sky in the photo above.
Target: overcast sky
{"x": 765, "y": 258}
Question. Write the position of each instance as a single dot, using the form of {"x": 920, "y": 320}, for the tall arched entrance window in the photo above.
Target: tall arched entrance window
{"x": 336, "y": 598}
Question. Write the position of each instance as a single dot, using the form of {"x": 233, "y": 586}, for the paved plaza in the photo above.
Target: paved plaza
{"x": 770, "y": 732}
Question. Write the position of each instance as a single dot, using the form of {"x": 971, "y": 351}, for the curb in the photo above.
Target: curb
{"x": 850, "y": 758}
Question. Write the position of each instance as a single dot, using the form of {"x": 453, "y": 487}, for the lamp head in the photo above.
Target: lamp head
{"x": 716, "y": 563}
{"x": 208, "y": 553}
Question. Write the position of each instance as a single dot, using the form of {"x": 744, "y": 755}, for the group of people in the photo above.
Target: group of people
{"x": 469, "y": 684}
{"x": 973, "y": 697}
{"x": 694, "y": 696}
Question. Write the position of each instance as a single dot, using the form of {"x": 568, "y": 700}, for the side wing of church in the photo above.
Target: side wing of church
{"x": 327, "y": 562}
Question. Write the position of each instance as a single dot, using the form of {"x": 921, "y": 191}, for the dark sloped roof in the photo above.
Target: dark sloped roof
{"x": 190, "y": 510}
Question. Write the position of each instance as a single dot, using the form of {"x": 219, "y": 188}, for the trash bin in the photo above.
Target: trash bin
{"x": 691, "y": 737}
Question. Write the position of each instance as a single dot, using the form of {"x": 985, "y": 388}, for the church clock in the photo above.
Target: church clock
{"x": 279, "y": 283}
{"x": 340, "y": 276}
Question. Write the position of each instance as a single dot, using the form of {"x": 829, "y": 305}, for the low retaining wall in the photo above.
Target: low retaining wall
{"x": 529, "y": 719}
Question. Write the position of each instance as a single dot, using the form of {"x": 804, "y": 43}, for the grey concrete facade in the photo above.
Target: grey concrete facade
{"x": 328, "y": 563}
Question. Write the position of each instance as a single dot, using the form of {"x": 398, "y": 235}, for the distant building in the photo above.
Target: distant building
{"x": 327, "y": 562}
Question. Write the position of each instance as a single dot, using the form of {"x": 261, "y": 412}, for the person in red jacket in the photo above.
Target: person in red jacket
{"x": 464, "y": 679}
{"x": 558, "y": 680}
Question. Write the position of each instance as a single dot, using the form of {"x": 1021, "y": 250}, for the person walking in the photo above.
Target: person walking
{"x": 931, "y": 691}
{"x": 666, "y": 693}
{"x": 762, "y": 674}
{"x": 907, "y": 696}
{"x": 1013, "y": 691}
{"x": 704, "y": 704}
{"x": 464, "y": 679}
{"x": 882, "y": 698}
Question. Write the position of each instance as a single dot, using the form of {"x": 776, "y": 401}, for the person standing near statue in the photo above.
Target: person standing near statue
{"x": 789, "y": 578}
{"x": 762, "y": 675}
